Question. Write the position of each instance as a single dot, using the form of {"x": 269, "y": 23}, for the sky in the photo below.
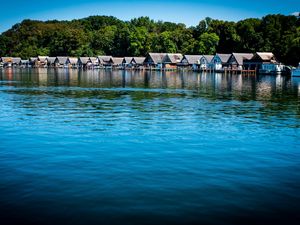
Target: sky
{"x": 180, "y": 11}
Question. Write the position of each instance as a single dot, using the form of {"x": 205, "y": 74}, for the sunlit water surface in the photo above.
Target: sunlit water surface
{"x": 103, "y": 147}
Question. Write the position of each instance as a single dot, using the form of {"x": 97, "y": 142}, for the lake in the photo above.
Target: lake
{"x": 122, "y": 147}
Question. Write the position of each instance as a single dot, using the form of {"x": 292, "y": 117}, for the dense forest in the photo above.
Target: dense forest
{"x": 97, "y": 35}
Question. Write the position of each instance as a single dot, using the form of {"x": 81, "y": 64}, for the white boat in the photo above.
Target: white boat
{"x": 296, "y": 71}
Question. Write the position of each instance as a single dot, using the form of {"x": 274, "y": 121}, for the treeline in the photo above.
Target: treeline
{"x": 98, "y": 35}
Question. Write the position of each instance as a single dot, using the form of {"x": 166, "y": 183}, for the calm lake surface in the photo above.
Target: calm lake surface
{"x": 103, "y": 147}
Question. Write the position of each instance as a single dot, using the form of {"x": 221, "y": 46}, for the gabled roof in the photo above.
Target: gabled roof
{"x": 240, "y": 57}
{"x": 192, "y": 59}
{"x": 61, "y": 59}
{"x": 42, "y": 58}
{"x": 73, "y": 60}
{"x": 223, "y": 57}
{"x": 172, "y": 58}
{"x": 138, "y": 60}
{"x": 265, "y": 56}
{"x": 117, "y": 61}
{"x": 127, "y": 60}
{"x": 103, "y": 59}
{"x": 51, "y": 60}
{"x": 208, "y": 58}
{"x": 157, "y": 58}
{"x": 94, "y": 60}
{"x": 84, "y": 60}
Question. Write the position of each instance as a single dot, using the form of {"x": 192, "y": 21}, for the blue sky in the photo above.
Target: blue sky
{"x": 188, "y": 12}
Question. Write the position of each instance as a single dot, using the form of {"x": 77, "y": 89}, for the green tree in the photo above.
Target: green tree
{"x": 97, "y": 35}
{"x": 140, "y": 42}
{"x": 68, "y": 42}
{"x": 208, "y": 43}
{"x": 103, "y": 40}
{"x": 164, "y": 43}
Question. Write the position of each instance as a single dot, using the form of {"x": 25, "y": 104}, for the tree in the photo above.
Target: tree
{"x": 68, "y": 42}
{"x": 164, "y": 43}
{"x": 103, "y": 40}
{"x": 97, "y": 35}
{"x": 251, "y": 39}
{"x": 140, "y": 42}
{"x": 208, "y": 43}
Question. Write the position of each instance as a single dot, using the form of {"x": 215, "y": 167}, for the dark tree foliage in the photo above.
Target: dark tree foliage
{"x": 97, "y": 35}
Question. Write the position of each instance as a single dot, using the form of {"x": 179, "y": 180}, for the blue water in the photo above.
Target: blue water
{"x": 96, "y": 147}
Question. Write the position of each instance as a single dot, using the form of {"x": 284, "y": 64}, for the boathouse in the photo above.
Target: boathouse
{"x": 206, "y": 62}
{"x": 10, "y": 61}
{"x": 42, "y": 61}
{"x": 127, "y": 62}
{"x": 171, "y": 60}
{"x": 61, "y": 62}
{"x": 105, "y": 60}
{"x": 84, "y": 62}
{"x": 24, "y": 63}
{"x": 190, "y": 61}
{"x": 220, "y": 61}
{"x": 117, "y": 63}
{"x": 236, "y": 61}
{"x": 51, "y": 61}
{"x": 73, "y": 62}
{"x": 264, "y": 62}
{"x": 138, "y": 62}
{"x": 154, "y": 60}
{"x": 95, "y": 62}
{"x": 6, "y": 61}
{"x": 33, "y": 61}
{"x": 16, "y": 61}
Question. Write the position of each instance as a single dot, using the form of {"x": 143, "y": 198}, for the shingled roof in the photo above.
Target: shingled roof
{"x": 207, "y": 58}
{"x": 127, "y": 60}
{"x": 156, "y": 58}
{"x": 266, "y": 56}
{"x": 138, "y": 60}
{"x": 224, "y": 57}
{"x": 73, "y": 60}
{"x": 94, "y": 60}
{"x": 104, "y": 59}
{"x": 51, "y": 60}
{"x": 42, "y": 59}
{"x": 117, "y": 61}
{"x": 191, "y": 59}
{"x": 84, "y": 60}
{"x": 61, "y": 59}
{"x": 240, "y": 57}
{"x": 173, "y": 58}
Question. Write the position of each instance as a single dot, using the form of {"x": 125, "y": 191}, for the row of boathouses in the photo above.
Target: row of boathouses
{"x": 263, "y": 62}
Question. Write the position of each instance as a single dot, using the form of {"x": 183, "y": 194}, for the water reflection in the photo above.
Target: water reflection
{"x": 233, "y": 85}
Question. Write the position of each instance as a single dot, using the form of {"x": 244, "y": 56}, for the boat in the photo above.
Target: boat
{"x": 296, "y": 71}
{"x": 271, "y": 68}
